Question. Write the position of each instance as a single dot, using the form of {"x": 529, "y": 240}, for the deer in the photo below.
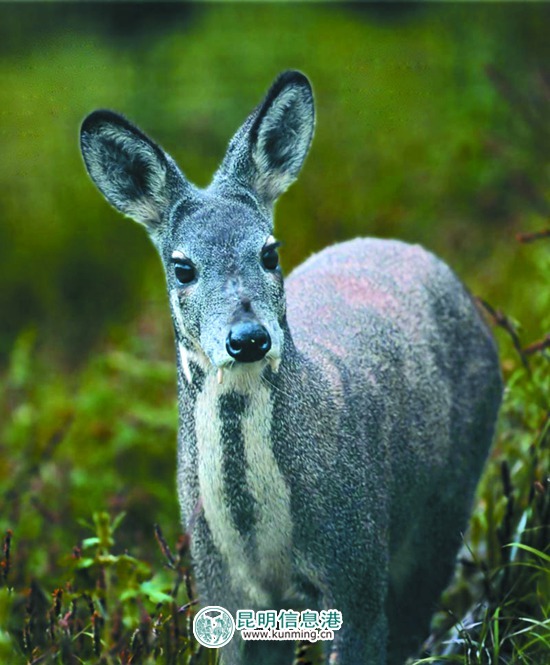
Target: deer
{"x": 333, "y": 425}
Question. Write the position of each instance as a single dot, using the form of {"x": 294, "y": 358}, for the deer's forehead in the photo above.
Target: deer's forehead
{"x": 220, "y": 227}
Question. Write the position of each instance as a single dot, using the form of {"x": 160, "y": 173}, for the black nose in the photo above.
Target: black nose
{"x": 248, "y": 342}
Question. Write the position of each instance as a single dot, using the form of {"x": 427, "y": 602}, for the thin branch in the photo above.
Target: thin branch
{"x": 533, "y": 237}
{"x": 538, "y": 346}
{"x": 165, "y": 548}
{"x": 502, "y": 321}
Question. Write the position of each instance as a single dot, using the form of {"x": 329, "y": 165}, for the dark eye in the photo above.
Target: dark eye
{"x": 185, "y": 272}
{"x": 270, "y": 258}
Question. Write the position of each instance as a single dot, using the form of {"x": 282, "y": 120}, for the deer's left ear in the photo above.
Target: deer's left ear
{"x": 281, "y": 134}
{"x": 130, "y": 170}
{"x": 268, "y": 151}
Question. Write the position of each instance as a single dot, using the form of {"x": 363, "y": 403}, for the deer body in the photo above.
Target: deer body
{"x": 330, "y": 441}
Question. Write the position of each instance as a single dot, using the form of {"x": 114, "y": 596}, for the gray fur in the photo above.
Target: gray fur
{"x": 338, "y": 472}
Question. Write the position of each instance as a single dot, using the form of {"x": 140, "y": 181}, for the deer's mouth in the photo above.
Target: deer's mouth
{"x": 249, "y": 370}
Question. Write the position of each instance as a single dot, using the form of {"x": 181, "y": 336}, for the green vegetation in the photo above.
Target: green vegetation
{"x": 432, "y": 127}
{"x": 500, "y": 598}
{"x": 414, "y": 140}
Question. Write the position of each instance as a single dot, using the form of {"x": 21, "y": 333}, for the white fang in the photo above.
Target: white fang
{"x": 185, "y": 363}
{"x": 179, "y": 322}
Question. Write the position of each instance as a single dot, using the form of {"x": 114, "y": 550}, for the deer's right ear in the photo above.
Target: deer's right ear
{"x": 130, "y": 170}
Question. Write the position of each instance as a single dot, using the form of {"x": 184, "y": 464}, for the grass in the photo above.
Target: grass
{"x": 499, "y": 602}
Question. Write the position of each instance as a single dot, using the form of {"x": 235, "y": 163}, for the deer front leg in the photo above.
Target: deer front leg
{"x": 360, "y": 641}
{"x": 363, "y": 636}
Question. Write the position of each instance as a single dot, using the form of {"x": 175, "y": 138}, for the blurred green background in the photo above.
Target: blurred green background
{"x": 432, "y": 126}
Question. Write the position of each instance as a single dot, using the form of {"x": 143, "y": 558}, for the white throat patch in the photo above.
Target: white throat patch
{"x": 268, "y": 567}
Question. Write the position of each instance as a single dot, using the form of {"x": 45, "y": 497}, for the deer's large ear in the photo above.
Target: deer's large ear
{"x": 130, "y": 170}
{"x": 268, "y": 151}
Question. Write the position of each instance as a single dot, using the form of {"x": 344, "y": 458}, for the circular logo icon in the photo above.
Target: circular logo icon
{"x": 213, "y": 627}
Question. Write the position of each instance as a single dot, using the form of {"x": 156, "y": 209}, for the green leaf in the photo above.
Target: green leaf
{"x": 90, "y": 542}
{"x": 154, "y": 594}
{"x": 85, "y": 563}
{"x": 532, "y": 550}
{"x": 117, "y": 521}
